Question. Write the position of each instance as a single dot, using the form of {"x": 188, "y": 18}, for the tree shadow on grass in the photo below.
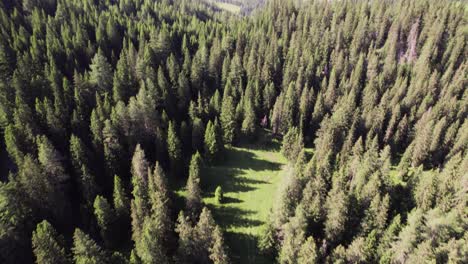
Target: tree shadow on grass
{"x": 265, "y": 140}
{"x": 228, "y": 178}
{"x": 232, "y": 217}
{"x": 230, "y": 200}
{"x": 244, "y": 160}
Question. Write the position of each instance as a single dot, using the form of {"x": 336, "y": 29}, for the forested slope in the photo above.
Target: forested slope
{"x": 103, "y": 104}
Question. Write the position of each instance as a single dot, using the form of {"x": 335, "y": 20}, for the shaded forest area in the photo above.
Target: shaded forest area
{"x": 104, "y": 103}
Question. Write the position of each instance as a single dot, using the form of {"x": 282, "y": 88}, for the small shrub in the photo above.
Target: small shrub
{"x": 219, "y": 194}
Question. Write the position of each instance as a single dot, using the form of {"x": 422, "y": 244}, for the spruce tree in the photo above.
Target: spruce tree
{"x": 217, "y": 251}
{"x": 213, "y": 140}
{"x": 194, "y": 199}
{"x": 86, "y": 251}
{"x": 101, "y": 72}
{"x": 174, "y": 146}
{"x": 308, "y": 252}
{"x": 105, "y": 217}
{"x": 140, "y": 207}
{"x": 249, "y": 125}
{"x": 47, "y": 245}
{"x": 227, "y": 118}
{"x": 121, "y": 202}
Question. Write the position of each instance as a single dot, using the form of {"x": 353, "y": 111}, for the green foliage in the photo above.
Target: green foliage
{"x": 47, "y": 245}
{"x": 227, "y": 119}
{"x": 292, "y": 144}
{"x": 121, "y": 202}
{"x": 219, "y": 195}
{"x": 173, "y": 146}
{"x": 14, "y": 224}
{"x": 85, "y": 249}
{"x": 105, "y": 217}
{"x": 194, "y": 200}
{"x": 294, "y": 238}
{"x": 217, "y": 251}
{"x": 308, "y": 252}
{"x": 101, "y": 72}
{"x": 368, "y": 85}
{"x": 213, "y": 141}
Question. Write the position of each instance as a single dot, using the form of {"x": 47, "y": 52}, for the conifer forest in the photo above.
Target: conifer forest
{"x": 233, "y": 131}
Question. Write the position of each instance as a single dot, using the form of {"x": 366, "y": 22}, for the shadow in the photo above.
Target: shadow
{"x": 265, "y": 140}
{"x": 230, "y": 200}
{"x": 244, "y": 160}
{"x": 227, "y": 216}
{"x": 229, "y": 179}
{"x": 243, "y": 248}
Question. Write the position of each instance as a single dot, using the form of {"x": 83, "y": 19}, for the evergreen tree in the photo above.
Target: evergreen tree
{"x": 292, "y": 144}
{"x": 213, "y": 140}
{"x": 105, "y": 217}
{"x": 121, "y": 202}
{"x": 140, "y": 207}
{"x": 217, "y": 252}
{"x": 227, "y": 119}
{"x": 47, "y": 245}
{"x": 174, "y": 146}
{"x": 85, "y": 250}
{"x": 194, "y": 200}
{"x": 294, "y": 238}
{"x": 308, "y": 252}
{"x": 249, "y": 125}
{"x": 101, "y": 72}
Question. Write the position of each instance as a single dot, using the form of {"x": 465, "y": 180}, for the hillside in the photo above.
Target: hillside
{"x": 233, "y": 131}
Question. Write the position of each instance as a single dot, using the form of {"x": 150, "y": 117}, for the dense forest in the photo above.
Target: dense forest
{"x": 105, "y": 104}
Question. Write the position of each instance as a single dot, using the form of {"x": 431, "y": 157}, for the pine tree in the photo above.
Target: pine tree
{"x": 194, "y": 199}
{"x": 51, "y": 162}
{"x": 159, "y": 199}
{"x": 294, "y": 238}
{"x": 217, "y": 252}
{"x": 204, "y": 235}
{"x": 47, "y": 245}
{"x": 213, "y": 140}
{"x": 86, "y": 251}
{"x": 308, "y": 252}
{"x": 292, "y": 144}
{"x": 105, "y": 217}
{"x": 15, "y": 217}
{"x": 219, "y": 195}
{"x": 186, "y": 250}
{"x": 114, "y": 152}
{"x": 198, "y": 130}
{"x": 101, "y": 72}
{"x": 150, "y": 249}
{"x": 227, "y": 119}
{"x": 337, "y": 213}
{"x": 249, "y": 125}
{"x": 174, "y": 146}
{"x": 121, "y": 202}
{"x": 267, "y": 241}
{"x": 140, "y": 207}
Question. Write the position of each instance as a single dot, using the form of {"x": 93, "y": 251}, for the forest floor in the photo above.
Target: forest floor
{"x": 249, "y": 176}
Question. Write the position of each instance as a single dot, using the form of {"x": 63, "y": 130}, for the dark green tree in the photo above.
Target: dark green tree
{"x": 48, "y": 245}
{"x": 194, "y": 199}
{"x": 85, "y": 250}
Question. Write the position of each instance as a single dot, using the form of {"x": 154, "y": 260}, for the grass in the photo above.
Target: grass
{"x": 229, "y": 7}
{"x": 249, "y": 176}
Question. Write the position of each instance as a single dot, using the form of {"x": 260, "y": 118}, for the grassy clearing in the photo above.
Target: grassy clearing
{"x": 249, "y": 177}
{"x": 229, "y": 7}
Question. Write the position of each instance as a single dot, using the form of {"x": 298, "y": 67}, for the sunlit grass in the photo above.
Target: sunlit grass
{"x": 249, "y": 177}
{"x": 229, "y": 7}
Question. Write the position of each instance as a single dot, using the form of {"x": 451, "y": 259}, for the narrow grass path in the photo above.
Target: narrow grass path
{"x": 249, "y": 177}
